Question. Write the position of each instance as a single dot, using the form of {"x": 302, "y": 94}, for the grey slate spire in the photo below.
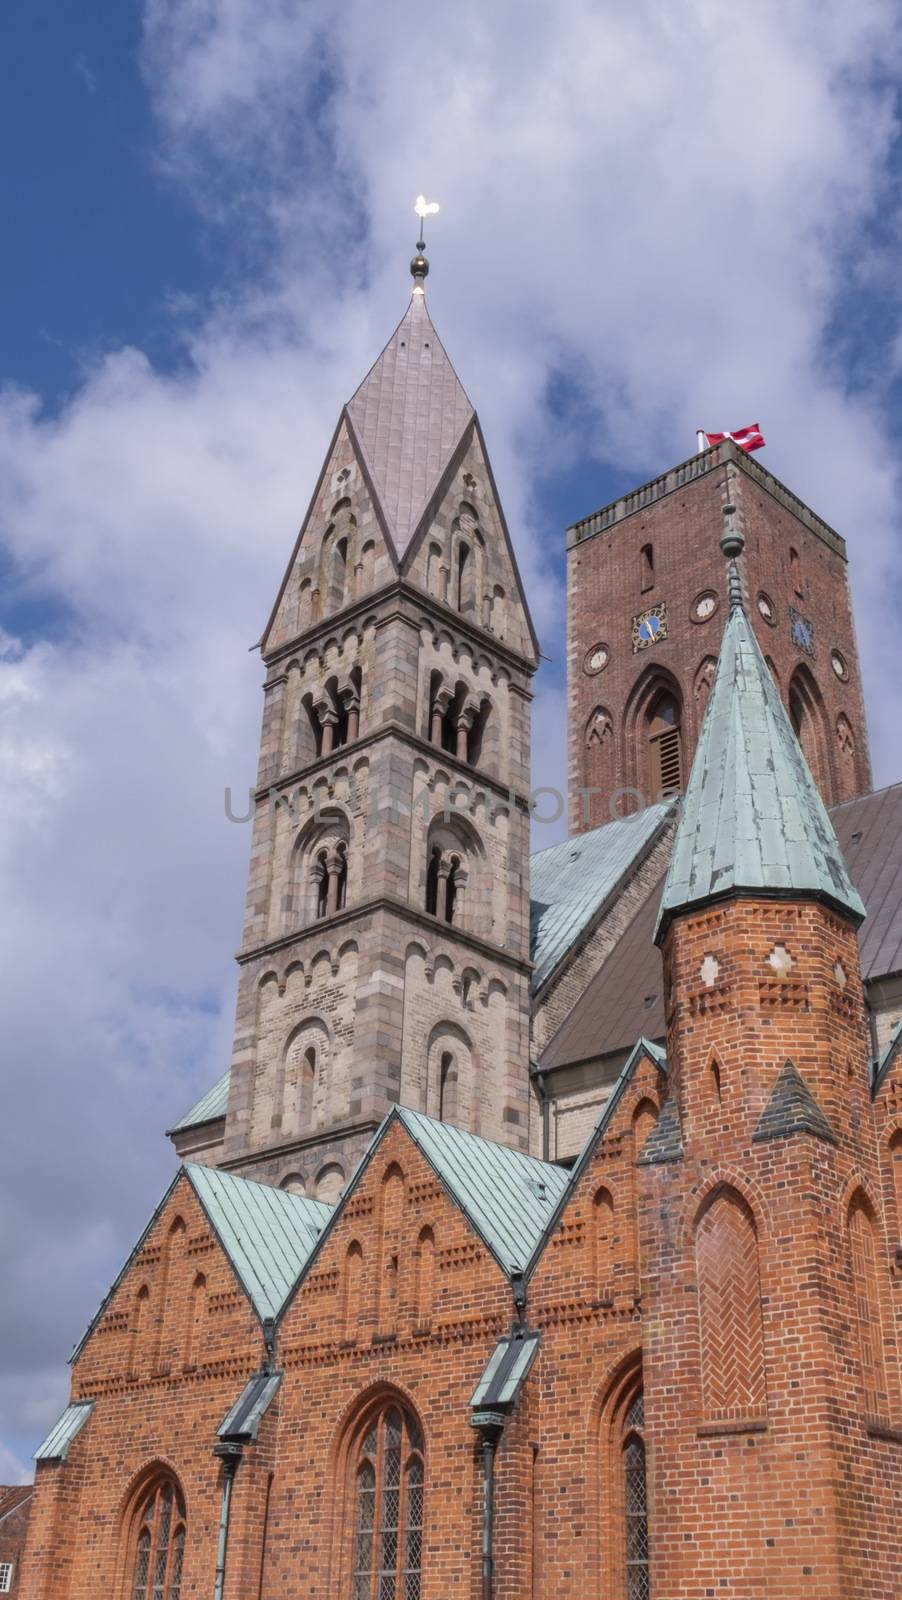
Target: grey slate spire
{"x": 408, "y": 417}
{"x": 753, "y": 820}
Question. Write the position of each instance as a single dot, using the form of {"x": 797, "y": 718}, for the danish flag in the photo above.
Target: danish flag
{"x": 750, "y": 438}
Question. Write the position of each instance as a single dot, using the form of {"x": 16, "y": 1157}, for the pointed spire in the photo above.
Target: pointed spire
{"x": 410, "y": 413}
{"x": 753, "y": 821}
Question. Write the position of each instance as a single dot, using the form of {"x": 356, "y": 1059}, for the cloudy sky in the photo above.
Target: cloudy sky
{"x": 653, "y": 217}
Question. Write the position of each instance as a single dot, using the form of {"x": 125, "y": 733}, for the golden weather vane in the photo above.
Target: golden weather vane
{"x": 424, "y": 208}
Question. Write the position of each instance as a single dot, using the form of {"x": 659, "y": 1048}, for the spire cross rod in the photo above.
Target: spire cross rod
{"x": 732, "y": 544}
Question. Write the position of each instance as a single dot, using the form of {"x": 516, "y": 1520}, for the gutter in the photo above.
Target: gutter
{"x": 491, "y": 1426}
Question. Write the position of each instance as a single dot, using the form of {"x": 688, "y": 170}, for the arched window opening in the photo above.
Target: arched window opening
{"x": 434, "y": 582}
{"x": 635, "y": 1501}
{"x": 895, "y": 1153}
{"x": 647, "y": 567}
{"x": 498, "y": 611}
{"x": 159, "y": 1544}
{"x": 795, "y": 571}
{"x": 388, "y": 1475}
{"x": 293, "y": 1183}
{"x": 306, "y": 1084}
{"x": 447, "y": 1088}
{"x": 197, "y": 1315}
{"x": 714, "y": 1083}
{"x": 329, "y": 1183}
{"x": 432, "y": 881}
{"x": 321, "y": 874}
{"x": 476, "y": 733}
{"x": 645, "y": 1117}
{"x": 339, "y": 574}
{"x": 310, "y": 715}
{"x": 730, "y": 1321}
{"x": 425, "y": 1278}
{"x": 366, "y": 568}
{"x": 353, "y": 1281}
{"x": 451, "y": 888}
{"x": 140, "y": 1323}
{"x": 603, "y": 1230}
{"x": 806, "y": 714}
{"x": 662, "y": 728}
{"x": 465, "y": 584}
{"x": 867, "y": 1305}
{"x": 341, "y": 870}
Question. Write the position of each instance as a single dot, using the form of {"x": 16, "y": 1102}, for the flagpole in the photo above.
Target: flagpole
{"x": 701, "y": 440}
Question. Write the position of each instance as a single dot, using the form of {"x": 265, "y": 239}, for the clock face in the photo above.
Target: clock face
{"x": 766, "y": 608}
{"x": 704, "y": 606}
{"x": 597, "y": 658}
{"x": 801, "y": 631}
{"x": 649, "y": 627}
{"x": 838, "y": 664}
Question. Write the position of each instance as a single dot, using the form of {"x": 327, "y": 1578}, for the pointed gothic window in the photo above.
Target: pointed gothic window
{"x": 635, "y": 1501}
{"x": 159, "y": 1544}
{"x": 388, "y": 1509}
{"x": 662, "y": 727}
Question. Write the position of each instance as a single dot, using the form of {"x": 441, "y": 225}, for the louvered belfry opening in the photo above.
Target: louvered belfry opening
{"x": 665, "y": 746}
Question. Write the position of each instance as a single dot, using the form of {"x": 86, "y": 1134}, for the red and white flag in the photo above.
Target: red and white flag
{"x": 750, "y": 438}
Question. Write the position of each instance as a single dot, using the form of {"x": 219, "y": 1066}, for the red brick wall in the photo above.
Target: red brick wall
{"x": 684, "y": 528}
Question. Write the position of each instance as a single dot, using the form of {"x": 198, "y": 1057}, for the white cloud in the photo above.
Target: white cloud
{"x": 661, "y": 205}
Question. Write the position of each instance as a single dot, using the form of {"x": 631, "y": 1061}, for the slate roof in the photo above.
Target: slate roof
{"x": 408, "y": 416}
{"x": 752, "y": 815}
{"x": 570, "y": 881}
{"x": 509, "y": 1197}
{"x": 792, "y": 1109}
{"x": 211, "y": 1105}
{"x": 869, "y": 831}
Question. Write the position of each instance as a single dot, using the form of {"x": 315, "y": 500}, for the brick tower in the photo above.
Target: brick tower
{"x": 385, "y": 951}
{"x": 646, "y": 611}
{"x": 772, "y": 1381}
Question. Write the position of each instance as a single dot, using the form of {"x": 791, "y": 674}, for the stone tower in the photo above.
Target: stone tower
{"x": 646, "y": 611}
{"x": 385, "y": 956}
{"x": 770, "y": 1357}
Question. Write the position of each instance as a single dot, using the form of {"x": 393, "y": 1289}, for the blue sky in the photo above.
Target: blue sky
{"x": 648, "y": 220}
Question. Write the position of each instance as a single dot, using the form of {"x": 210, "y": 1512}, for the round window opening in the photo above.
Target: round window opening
{"x": 597, "y": 658}
{"x": 766, "y": 608}
{"x": 704, "y": 606}
{"x": 838, "y": 663}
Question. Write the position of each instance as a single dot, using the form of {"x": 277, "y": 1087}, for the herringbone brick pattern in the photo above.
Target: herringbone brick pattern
{"x": 730, "y": 1309}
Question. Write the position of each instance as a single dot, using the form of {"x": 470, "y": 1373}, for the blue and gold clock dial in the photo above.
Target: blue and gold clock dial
{"x": 650, "y": 627}
{"x": 801, "y": 630}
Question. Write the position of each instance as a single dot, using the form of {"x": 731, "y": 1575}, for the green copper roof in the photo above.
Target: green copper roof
{"x": 211, "y": 1105}
{"x": 752, "y": 817}
{"x": 508, "y": 1197}
{"x": 571, "y": 880}
{"x": 56, "y": 1445}
{"x": 268, "y": 1234}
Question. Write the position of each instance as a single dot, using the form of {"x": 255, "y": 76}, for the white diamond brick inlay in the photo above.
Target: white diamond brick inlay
{"x": 781, "y": 961}
{"x": 839, "y": 973}
{"x": 709, "y": 971}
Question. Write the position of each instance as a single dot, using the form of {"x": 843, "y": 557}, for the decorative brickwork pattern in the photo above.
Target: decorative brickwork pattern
{"x": 729, "y": 1289}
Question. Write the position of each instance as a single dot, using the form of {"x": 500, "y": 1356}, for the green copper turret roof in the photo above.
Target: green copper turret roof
{"x": 753, "y": 820}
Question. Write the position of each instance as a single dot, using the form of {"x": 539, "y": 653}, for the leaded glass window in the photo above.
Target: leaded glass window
{"x": 388, "y": 1512}
{"x": 635, "y": 1502}
{"x": 160, "y": 1545}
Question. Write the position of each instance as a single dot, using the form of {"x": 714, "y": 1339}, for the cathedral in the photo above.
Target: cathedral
{"x": 543, "y": 1240}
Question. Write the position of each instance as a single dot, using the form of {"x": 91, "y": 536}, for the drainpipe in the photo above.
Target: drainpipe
{"x": 545, "y": 1103}
{"x": 491, "y": 1426}
{"x": 229, "y": 1453}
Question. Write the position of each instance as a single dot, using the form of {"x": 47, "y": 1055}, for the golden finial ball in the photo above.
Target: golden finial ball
{"x": 419, "y": 267}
